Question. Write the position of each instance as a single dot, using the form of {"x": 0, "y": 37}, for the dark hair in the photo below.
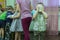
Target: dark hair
{"x": 40, "y": 3}
{"x": 2, "y": 9}
{"x": 0, "y": 6}
{"x": 9, "y": 8}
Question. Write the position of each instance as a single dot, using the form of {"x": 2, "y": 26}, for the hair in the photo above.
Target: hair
{"x": 40, "y": 3}
{"x": 0, "y": 6}
{"x": 10, "y": 8}
{"x": 2, "y": 9}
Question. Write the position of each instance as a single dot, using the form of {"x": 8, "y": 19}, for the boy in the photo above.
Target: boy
{"x": 8, "y": 22}
{"x": 39, "y": 19}
{"x": 2, "y": 23}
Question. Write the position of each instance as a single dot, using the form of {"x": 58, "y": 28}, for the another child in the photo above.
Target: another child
{"x": 9, "y": 12}
{"x": 2, "y": 23}
{"x": 8, "y": 22}
{"x": 39, "y": 19}
{"x": 16, "y": 25}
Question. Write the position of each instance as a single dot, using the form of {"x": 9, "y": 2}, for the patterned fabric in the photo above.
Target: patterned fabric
{"x": 31, "y": 25}
{"x": 16, "y": 25}
{"x": 39, "y": 24}
{"x": 7, "y": 31}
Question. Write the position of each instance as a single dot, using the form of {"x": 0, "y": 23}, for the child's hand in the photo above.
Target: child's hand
{"x": 10, "y": 16}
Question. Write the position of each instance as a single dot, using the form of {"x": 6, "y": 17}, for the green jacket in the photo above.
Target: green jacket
{"x": 3, "y": 16}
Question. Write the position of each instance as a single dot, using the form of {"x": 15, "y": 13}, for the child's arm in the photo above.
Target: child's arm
{"x": 34, "y": 16}
{"x": 17, "y": 10}
{"x": 45, "y": 15}
{"x": 31, "y": 8}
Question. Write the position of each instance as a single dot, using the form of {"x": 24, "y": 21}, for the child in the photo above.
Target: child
{"x": 8, "y": 22}
{"x": 16, "y": 25}
{"x": 39, "y": 19}
{"x": 9, "y": 12}
{"x": 2, "y": 23}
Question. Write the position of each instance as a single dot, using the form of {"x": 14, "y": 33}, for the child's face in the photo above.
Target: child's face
{"x": 40, "y": 7}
